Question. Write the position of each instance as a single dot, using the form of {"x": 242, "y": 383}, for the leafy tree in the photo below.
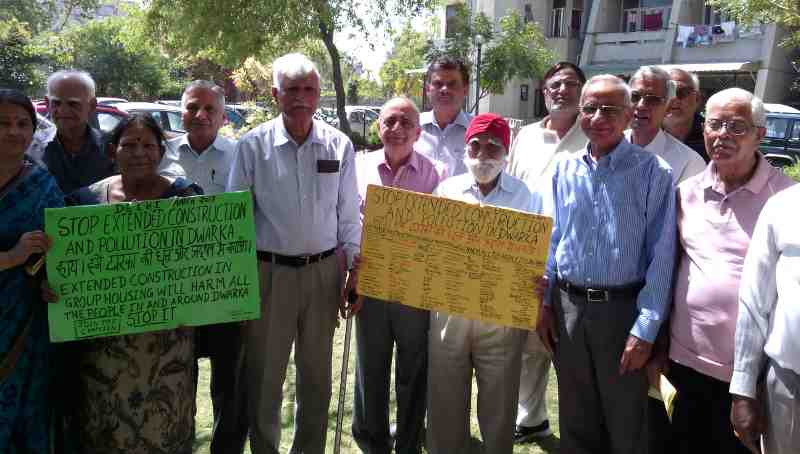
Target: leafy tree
{"x": 408, "y": 53}
{"x": 352, "y": 92}
{"x": 41, "y": 15}
{"x": 18, "y": 57}
{"x": 514, "y": 50}
{"x": 784, "y": 13}
{"x": 231, "y": 31}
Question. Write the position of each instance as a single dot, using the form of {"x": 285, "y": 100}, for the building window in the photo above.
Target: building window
{"x": 452, "y": 20}
{"x": 645, "y": 15}
{"x": 528, "y": 16}
{"x": 523, "y": 92}
{"x": 575, "y": 20}
{"x": 557, "y": 28}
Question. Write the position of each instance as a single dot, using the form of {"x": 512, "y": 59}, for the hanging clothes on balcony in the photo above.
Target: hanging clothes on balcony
{"x": 652, "y": 20}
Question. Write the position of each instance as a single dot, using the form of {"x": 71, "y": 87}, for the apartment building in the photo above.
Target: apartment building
{"x": 619, "y": 36}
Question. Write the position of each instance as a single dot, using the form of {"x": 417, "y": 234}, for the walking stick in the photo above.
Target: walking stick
{"x": 343, "y": 380}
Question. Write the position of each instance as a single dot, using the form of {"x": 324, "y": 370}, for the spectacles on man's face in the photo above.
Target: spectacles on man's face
{"x": 735, "y": 127}
{"x": 683, "y": 92}
{"x": 557, "y": 84}
{"x": 404, "y": 122}
{"x": 590, "y": 110}
{"x": 649, "y": 99}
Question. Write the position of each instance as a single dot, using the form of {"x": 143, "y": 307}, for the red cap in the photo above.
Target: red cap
{"x": 493, "y": 124}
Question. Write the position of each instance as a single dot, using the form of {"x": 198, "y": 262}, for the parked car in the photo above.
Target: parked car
{"x": 360, "y": 118}
{"x": 110, "y": 101}
{"x": 781, "y": 143}
{"x": 169, "y": 117}
{"x": 104, "y": 118}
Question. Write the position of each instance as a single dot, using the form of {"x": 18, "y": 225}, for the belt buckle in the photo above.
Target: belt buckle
{"x": 596, "y": 296}
{"x": 307, "y": 259}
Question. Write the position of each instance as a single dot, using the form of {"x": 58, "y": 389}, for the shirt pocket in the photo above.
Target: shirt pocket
{"x": 327, "y": 189}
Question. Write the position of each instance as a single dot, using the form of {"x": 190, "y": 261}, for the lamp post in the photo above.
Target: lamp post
{"x": 479, "y": 43}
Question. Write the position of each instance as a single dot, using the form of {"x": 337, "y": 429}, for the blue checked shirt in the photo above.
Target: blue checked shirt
{"x": 614, "y": 225}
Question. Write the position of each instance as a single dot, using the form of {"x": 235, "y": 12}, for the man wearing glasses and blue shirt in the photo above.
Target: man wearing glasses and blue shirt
{"x": 609, "y": 271}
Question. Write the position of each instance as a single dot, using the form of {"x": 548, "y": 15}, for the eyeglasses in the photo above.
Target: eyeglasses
{"x": 735, "y": 127}
{"x": 557, "y": 84}
{"x": 683, "y": 92}
{"x": 404, "y": 122}
{"x": 491, "y": 148}
{"x": 605, "y": 111}
{"x": 649, "y": 100}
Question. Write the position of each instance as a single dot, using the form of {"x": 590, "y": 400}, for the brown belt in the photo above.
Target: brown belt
{"x": 295, "y": 261}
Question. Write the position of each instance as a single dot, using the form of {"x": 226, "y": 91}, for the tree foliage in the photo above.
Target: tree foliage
{"x": 784, "y": 13}
{"x": 41, "y": 15}
{"x": 408, "y": 53}
{"x": 511, "y": 49}
{"x": 231, "y": 31}
{"x": 18, "y": 57}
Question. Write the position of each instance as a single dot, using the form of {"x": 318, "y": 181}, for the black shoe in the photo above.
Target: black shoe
{"x": 524, "y": 434}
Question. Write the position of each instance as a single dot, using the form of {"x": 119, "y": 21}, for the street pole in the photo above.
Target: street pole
{"x": 479, "y": 41}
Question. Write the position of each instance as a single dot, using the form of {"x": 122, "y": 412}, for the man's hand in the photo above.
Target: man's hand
{"x": 658, "y": 365}
{"x": 540, "y": 286}
{"x": 546, "y": 328}
{"x": 747, "y": 422}
{"x": 48, "y": 295}
{"x": 350, "y": 302}
{"x": 635, "y": 355}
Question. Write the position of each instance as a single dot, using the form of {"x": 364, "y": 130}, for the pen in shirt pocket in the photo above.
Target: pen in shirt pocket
{"x": 212, "y": 175}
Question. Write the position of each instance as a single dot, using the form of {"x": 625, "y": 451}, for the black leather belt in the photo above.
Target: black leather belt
{"x": 602, "y": 295}
{"x": 295, "y": 261}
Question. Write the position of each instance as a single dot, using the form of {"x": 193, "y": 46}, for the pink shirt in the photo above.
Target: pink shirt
{"x": 714, "y": 231}
{"x": 418, "y": 174}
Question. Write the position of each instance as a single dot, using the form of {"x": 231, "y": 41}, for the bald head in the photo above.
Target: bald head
{"x": 399, "y": 128}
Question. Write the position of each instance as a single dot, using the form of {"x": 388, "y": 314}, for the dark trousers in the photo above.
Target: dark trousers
{"x": 701, "y": 420}
{"x": 222, "y": 344}
{"x": 600, "y": 411}
{"x": 379, "y": 326}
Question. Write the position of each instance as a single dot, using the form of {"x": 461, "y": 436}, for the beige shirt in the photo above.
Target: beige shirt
{"x": 534, "y": 155}
{"x": 684, "y": 161}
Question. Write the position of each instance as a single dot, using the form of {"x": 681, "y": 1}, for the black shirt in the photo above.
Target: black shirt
{"x": 695, "y": 139}
{"x": 74, "y": 171}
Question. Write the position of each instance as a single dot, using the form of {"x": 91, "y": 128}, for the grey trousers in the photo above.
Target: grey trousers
{"x": 458, "y": 346}
{"x": 379, "y": 326}
{"x": 600, "y": 411}
{"x": 298, "y": 306}
{"x": 532, "y": 407}
{"x": 782, "y": 410}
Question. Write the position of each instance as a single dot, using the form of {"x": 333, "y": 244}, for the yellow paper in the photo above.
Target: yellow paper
{"x": 666, "y": 394}
{"x": 479, "y": 262}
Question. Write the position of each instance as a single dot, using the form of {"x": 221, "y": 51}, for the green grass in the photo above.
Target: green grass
{"x": 348, "y": 446}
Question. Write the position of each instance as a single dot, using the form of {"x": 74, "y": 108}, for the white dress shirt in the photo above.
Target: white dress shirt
{"x": 684, "y": 161}
{"x": 305, "y": 196}
{"x": 769, "y": 313}
{"x": 534, "y": 155}
{"x": 209, "y": 169}
{"x": 445, "y": 146}
{"x": 510, "y": 192}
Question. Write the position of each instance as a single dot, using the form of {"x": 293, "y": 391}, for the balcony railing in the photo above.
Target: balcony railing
{"x": 711, "y": 35}
{"x": 645, "y": 19}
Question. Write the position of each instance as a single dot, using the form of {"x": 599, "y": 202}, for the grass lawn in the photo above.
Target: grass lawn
{"x": 348, "y": 446}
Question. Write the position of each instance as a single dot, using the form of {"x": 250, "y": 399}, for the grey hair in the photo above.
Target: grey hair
{"x": 692, "y": 76}
{"x": 608, "y": 78}
{"x": 208, "y": 85}
{"x": 292, "y": 66}
{"x": 656, "y": 73}
{"x": 81, "y": 76}
{"x": 398, "y": 99}
{"x": 757, "y": 111}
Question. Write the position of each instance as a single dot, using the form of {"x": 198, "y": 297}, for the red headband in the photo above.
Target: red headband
{"x": 493, "y": 124}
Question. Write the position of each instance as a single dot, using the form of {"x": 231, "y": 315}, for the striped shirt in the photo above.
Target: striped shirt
{"x": 614, "y": 225}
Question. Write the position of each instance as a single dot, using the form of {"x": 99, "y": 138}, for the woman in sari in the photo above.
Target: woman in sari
{"x": 136, "y": 393}
{"x": 25, "y": 191}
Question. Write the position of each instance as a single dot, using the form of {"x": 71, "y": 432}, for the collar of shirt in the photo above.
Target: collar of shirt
{"x": 282, "y": 136}
{"x": 184, "y": 145}
{"x": 542, "y": 124}
{"x": 427, "y": 118}
{"x": 501, "y": 185}
{"x": 382, "y": 163}
{"x": 755, "y": 184}
{"x": 92, "y": 140}
{"x": 613, "y": 158}
{"x": 656, "y": 145}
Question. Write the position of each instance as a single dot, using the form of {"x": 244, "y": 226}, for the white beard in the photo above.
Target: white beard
{"x": 484, "y": 171}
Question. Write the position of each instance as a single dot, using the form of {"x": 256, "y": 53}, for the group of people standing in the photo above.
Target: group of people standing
{"x": 660, "y": 264}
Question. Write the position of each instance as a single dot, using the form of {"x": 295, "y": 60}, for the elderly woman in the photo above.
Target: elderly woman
{"x": 25, "y": 191}
{"x": 136, "y": 393}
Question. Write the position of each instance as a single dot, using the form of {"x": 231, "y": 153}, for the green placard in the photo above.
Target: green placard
{"x": 145, "y": 266}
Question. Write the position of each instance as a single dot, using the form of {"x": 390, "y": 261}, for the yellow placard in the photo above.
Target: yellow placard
{"x": 479, "y": 262}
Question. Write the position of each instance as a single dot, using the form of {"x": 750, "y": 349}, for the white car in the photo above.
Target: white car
{"x": 168, "y": 117}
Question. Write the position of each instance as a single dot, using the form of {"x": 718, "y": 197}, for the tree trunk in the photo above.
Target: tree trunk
{"x": 338, "y": 85}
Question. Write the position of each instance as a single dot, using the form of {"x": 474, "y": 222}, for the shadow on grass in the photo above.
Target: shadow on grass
{"x": 550, "y": 445}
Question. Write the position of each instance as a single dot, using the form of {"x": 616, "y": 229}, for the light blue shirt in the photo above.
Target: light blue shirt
{"x": 510, "y": 192}
{"x": 445, "y": 146}
{"x": 209, "y": 168}
{"x": 614, "y": 225}
{"x": 305, "y": 196}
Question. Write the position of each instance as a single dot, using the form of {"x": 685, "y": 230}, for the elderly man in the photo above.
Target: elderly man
{"x": 652, "y": 91}
{"x": 717, "y": 211}
{"x": 76, "y": 156}
{"x": 302, "y": 174}
{"x": 533, "y": 157}
{"x": 458, "y": 346}
{"x": 766, "y": 332}
{"x": 205, "y": 157}
{"x": 682, "y": 120}
{"x": 609, "y": 276}
{"x": 383, "y": 325}
{"x": 443, "y": 128}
